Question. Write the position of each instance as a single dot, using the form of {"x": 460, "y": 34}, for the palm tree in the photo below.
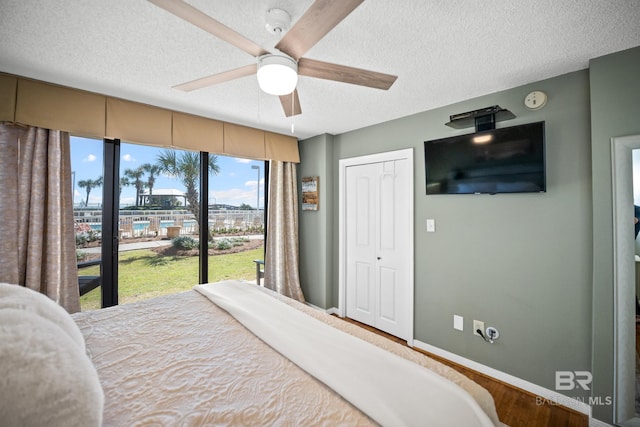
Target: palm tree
{"x": 136, "y": 178}
{"x": 153, "y": 171}
{"x": 89, "y": 184}
{"x": 186, "y": 168}
{"x": 124, "y": 182}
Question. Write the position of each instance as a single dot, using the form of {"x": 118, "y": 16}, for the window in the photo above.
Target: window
{"x": 159, "y": 220}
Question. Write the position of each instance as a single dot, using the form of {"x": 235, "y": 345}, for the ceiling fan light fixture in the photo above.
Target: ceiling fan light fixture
{"x": 277, "y": 74}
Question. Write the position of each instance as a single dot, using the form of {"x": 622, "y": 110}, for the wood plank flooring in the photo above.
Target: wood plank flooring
{"x": 515, "y": 407}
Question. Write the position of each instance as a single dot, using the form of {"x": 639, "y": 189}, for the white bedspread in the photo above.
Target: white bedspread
{"x": 390, "y": 389}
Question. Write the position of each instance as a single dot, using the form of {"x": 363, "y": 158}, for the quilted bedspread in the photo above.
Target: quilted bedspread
{"x": 180, "y": 360}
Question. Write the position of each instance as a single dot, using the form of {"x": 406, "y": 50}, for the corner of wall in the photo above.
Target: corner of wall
{"x": 315, "y": 227}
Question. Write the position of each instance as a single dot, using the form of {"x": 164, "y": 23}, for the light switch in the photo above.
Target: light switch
{"x": 458, "y": 322}
{"x": 431, "y": 226}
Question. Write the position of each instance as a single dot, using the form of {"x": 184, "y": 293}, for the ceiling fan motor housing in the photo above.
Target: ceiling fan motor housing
{"x": 277, "y": 21}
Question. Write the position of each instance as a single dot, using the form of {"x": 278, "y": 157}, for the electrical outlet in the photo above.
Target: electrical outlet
{"x": 477, "y": 324}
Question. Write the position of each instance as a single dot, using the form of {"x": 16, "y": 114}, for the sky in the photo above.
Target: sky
{"x": 234, "y": 185}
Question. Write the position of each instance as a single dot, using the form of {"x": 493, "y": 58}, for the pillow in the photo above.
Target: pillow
{"x": 19, "y": 297}
{"x": 46, "y": 377}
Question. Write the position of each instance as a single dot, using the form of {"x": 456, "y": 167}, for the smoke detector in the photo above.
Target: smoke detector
{"x": 277, "y": 21}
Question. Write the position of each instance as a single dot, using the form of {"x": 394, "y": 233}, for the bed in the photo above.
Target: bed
{"x": 233, "y": 353}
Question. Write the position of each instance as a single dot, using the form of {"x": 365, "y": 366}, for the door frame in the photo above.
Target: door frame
{"x": 623, "y": 277}
{"x": 342, "y": 236}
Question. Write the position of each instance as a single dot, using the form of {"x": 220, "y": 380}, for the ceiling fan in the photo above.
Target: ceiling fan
{"x": 321, "y": 17}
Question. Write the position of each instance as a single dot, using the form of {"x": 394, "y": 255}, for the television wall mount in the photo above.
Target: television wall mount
{"x": 482, "y": 119}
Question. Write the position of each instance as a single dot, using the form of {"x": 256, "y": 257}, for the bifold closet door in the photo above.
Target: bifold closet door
{"x": 377, "y": 234}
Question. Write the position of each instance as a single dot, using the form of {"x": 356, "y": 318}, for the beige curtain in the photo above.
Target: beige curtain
{"x": 281, "y": 254}
{"x": 37, "y": 241}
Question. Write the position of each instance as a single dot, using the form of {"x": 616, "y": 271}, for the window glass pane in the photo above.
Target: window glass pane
{"x": 86, "y": 177}
{"x": 158, "y": 225}
{"x": 236, "y": 219}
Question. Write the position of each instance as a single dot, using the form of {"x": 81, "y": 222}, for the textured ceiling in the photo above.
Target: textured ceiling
{"x": 442, "y": 52}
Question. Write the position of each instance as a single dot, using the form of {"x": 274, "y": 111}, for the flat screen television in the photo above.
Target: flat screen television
{"x": 504, "y": 160}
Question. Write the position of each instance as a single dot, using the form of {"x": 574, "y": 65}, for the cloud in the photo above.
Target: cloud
{"x": 252, "y": 183}
{"x": 90, "y": 158}
{"x": 239, "y": 160}
{"x": 128, "y": 158}
{"x": 235, "y": 197}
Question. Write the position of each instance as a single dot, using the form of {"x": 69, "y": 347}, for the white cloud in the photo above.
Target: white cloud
{"x": 90, "y": 158}
{"x": 235, "y": 197}
{"x": 239, "y": 160}
{"x": 252, "y": 183}
{"x": 128, "y": 158}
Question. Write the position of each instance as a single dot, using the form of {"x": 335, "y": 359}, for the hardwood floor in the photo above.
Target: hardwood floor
{"x": 515, "y": 407}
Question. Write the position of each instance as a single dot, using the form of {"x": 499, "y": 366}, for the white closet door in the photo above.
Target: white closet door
{"x": 377, "y": 245}
{"x": 362, "y": 202}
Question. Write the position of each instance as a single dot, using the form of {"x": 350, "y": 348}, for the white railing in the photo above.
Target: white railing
{"x": 159, "y": 222}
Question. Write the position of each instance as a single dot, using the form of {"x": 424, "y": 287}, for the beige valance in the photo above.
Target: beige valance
{"x": 130, "y": 121}
{"x": 195, "y": 133}
{"x": 242, "y": 141}
{"x": 38, "y": 104}
{"x": 281, "y": 147}
{"x": 8, "y": 90}
{"x": 92, "y": 115}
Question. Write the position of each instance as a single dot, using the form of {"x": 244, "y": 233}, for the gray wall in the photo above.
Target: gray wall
{"x": 519, "y": 262}
{"x": 615, "y": 111}
{"x": 316, "y": 227}
{"x": 539, "y": 267}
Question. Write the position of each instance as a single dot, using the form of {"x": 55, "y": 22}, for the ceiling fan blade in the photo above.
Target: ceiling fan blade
{"x": 291, "y": 104}
{"x": 247, "y": 70}
{"x": 342, "y": 73}
{"x": 316, "y": 22}
{"x": 194, "y": 16}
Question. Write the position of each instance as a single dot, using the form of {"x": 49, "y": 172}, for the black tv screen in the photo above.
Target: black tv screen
{"x": 504, "y": 160}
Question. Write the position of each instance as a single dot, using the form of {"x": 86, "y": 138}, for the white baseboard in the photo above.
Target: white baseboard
{"x": 597, "y": 423}
{"x": 330, "y": 310}
{"x": 333, "y": 310}
{"x": 544, "y": 393}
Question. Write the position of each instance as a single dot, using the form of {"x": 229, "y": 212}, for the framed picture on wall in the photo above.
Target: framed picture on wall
{"x": 310, "y": 195}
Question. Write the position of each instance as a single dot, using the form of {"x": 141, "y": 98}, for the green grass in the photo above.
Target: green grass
{"x": 144, "y": 274}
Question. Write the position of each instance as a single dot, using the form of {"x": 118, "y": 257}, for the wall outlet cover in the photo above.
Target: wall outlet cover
{"x": 478, "y": 324}
{"x": 458, "y": 322}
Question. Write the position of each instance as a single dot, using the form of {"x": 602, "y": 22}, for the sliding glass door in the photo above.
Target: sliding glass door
{"x": 158, "y": 222}
{"x": 87, "y": 180}
{"x": 141, "y": 217}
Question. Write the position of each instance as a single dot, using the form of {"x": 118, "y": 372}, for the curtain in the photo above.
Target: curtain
{"x": 37, "y": 240}
{"x": 281, "y": 254}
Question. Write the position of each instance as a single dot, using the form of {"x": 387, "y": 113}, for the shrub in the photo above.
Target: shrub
{"x": 223, "y": 244}
{"x": 81, "y": 239}
{"x": 184, "y": 242}
{"x": 239, "y": 241}
{"x": 85, "y": 237}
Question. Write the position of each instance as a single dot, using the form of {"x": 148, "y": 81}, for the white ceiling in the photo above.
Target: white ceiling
{"x": 442, "y": 52}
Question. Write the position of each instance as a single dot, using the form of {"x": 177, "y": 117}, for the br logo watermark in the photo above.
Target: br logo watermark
{"x": 572, "y": 380}
{"x": 569, "y": 380}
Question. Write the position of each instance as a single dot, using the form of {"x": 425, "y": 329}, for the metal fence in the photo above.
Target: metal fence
{"x": 171, "y": 223}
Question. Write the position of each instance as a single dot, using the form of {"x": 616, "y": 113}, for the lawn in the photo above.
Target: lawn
{"x": 144, "y": 274}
